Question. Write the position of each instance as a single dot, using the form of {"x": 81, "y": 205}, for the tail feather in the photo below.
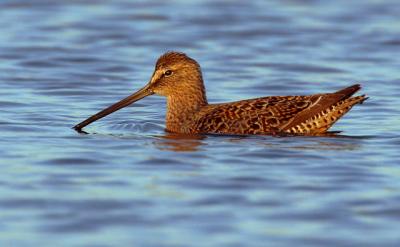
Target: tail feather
{"x": 336, "y": 112}
{"x": 348, "y": 91}
{"x": 328, "y": 109}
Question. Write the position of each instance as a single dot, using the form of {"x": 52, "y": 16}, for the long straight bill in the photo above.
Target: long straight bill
{"x": 115, "y": 107}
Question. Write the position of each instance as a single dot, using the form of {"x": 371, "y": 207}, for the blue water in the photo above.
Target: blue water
{"x": 128, "y": 183}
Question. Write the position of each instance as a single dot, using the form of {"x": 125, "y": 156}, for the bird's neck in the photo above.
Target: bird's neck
{"x": 181, "y": 109}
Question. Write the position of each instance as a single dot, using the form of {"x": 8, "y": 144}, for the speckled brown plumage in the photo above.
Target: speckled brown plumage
{"x": 179, "y": 78}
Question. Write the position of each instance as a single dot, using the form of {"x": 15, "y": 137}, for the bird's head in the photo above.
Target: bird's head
{"x": 175, "y": 75}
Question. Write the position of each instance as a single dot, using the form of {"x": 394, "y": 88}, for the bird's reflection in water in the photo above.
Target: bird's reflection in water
{"x": 329, "y": 145}
{"x": 180, "y": 142}
{"x": 327, "y": 141}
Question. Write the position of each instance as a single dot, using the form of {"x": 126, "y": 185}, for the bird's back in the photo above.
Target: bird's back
{"x": 311, "y": 114}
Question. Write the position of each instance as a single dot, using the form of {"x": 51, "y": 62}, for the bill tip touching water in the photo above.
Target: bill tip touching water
{"x": 179, "y": 78}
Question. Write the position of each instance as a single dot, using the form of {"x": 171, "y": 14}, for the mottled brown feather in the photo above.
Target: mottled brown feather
{"x": 254, "y": 116}
{"x": 277, "y": 114}
{"x": 321, "y": 102}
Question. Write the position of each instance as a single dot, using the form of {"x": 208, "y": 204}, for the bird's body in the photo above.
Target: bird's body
{"x": 179, "y": 78}
{"x": 267, "y": 115}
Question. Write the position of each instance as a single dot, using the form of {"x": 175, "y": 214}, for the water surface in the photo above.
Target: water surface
{"x": 128, "y": 183}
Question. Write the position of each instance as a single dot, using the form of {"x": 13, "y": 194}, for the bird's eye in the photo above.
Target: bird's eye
{"x": 168, "y": 72}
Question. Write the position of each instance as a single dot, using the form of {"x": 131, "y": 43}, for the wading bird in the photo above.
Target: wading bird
{"x": 179, "y": 78}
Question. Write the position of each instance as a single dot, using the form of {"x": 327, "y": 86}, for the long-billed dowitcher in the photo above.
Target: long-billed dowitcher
{"x": 179, "y": 78}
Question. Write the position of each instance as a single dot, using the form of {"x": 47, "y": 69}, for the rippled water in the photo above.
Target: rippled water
{"x": 128, "y": 183}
